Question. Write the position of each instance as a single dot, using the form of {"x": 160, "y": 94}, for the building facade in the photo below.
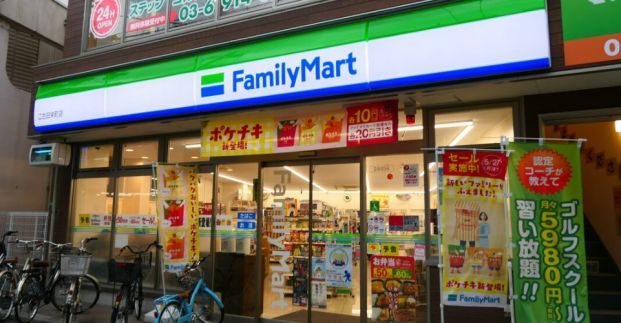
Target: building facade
{"x": 315, "y": 114}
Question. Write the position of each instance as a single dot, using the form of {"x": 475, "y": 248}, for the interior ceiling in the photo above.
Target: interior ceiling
{"x": 384, "y": 173}
{"x": 427, "y": 97}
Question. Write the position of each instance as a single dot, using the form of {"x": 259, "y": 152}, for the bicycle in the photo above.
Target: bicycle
{"x": 75, "y": 266}
{"x": 130, "y": 296}
{"x": 8, "y": 279}
{"x": 35, "y": 287}
{"x": 197, "y": 303}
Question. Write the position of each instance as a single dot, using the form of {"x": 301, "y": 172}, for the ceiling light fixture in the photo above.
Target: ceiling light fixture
{"x": 237, "y": 180}
{"x": 618, "y": 125}
{"x": 304, "y": 178}
{"x": 129, "y": 150}
{"x": 461, "y": 136}
{"x": 192, "y": 146}
{"x": 455, "y": 124}
{"x": 144, "y": 157}
{"x": 194, "y": 157}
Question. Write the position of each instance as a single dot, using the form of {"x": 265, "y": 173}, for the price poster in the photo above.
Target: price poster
{"x": 410, "y": 175}
{"x": 373, "y": 123}
{"x": 394, "y": 289}
{"x": 177, "y": 208}
{"x": 338, "y": 266}
{"x": 474, "y": 236}
{"x": 549, "y": 271}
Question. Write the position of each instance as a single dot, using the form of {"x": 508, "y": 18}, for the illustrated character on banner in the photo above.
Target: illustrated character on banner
{"x": 467, "y": 223}
{"x": 477, "y": 259}
{"x": 483, "y": 230}
{"x": 456, "y": 258}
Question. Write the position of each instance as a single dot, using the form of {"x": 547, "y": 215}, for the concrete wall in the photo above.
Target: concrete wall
{"x": 23, "y": 188}
{"x": 45, "y": 17}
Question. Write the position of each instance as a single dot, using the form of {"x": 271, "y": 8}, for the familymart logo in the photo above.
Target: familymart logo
{"x": 212, "y": 84}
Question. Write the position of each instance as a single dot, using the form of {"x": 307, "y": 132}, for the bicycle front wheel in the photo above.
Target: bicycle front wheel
{"x": 170, "y": 314}
{"x": 8, "y": 285}
{"x": 137, "y": 298}
{"x": 70, "y": 313}
{"x": 207, "y": 310}
{"x": 89, "y": 293}
{"x": 28, "y": 300}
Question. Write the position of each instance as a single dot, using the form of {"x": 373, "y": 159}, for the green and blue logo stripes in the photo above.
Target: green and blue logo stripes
{"x": 212, "y": 84}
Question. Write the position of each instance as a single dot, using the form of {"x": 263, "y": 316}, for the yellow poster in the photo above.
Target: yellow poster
{"x": 237, "y": 137}
{"x": 177, "y": 208}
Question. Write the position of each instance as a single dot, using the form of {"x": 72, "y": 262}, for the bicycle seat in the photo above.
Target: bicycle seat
{"x": 184, "y": 295}
{"x": 11, "y": 261}
{"x": 40, "y": 263}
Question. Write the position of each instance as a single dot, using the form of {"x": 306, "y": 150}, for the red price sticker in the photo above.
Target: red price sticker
{"x": 372, "y": 123}
{"x": 104, "y": 17}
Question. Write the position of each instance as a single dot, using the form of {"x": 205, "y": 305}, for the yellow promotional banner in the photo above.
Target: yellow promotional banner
{"x": 236, "y": 137}
{"x": 474, "y": 229}
{"x": 177, "y": 208}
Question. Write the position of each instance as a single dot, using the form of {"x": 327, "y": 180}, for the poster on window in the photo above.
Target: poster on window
{"x": 319, "y": 291}
{"x": 393, "y": 289}
{"x": 339, "y": 265}
{"x": 549, "y": 270}
{"x": 177, "y": 209}
{"x": 473, "y": 229}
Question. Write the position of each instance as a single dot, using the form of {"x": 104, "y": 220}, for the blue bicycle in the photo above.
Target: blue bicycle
{"x": 197, "y": 304}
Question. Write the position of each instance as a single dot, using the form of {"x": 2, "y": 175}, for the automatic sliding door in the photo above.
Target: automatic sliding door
{"x": 285, "y": 242}
{"x": 335, "y": 270}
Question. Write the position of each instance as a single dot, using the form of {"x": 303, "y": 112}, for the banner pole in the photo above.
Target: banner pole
{"x": 439, "y": 216}
{"x": 157, "y": 232}
{"x": 504, "y": 141}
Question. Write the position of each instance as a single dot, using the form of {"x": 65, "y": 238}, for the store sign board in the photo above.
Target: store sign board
{"x": 356, "y": 66}
{"x": 591, "y": 31}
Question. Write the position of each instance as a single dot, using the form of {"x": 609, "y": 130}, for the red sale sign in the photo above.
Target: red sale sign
{"x": 373, "y": 123}
{"x": 104, "y": 17}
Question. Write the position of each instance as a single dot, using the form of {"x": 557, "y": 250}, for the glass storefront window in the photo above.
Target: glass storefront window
{"x": 473, "y": 127}
{"x": 233, "y": 7}
{"x": 396, "y": 238}
{"x": 105, "y": 24}
{"x": 97, "y": 156}
{"x": 92, "y": 217}
{"x": 235, "y": 253}
{"x": 185, "y": 150}
{"x": 139, "y": 153}
{"x": 135, "y": 221}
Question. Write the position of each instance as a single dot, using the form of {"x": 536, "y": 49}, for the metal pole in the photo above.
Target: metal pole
{"x": 259, "y": 246}
{"x": 363, "y": 240}
{"x": 503, "y": 142}
{"x": 439, "y": 217}
{"x": 310, "y": 241}
{"x": 214, "y": 212}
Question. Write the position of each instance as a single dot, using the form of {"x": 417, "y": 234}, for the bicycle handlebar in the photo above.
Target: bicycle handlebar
{"x": 146, "y": 249}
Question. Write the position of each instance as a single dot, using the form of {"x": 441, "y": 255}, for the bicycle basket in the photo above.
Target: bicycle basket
{"x": 74, "y": 265}
{"x": 122, "y": 272}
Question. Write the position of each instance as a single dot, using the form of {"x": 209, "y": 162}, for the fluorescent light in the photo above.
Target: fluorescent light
{"x": 129, "y": 150}
{"x": 438, "y": 126}
{"x": 368, "y": 185}
{"x": 192, "y": 146}
{"x": 618, "y": 125}
{"x": 461, "y": 136}
{"x": 172, "y": 148}
{"x": 304, "y": 178}
{"x": 144, "y": 157}
{"x": 230, "y": 178}
{"x": 410, "y": 128}
{"x": 194, "y": 157}
{"x": 454, "y": 124}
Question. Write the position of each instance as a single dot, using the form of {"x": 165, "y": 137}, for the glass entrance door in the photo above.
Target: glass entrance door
{"x": 310, "y": 242}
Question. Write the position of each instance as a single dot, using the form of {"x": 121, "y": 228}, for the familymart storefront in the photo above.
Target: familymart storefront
{"x": 308, "y": 152}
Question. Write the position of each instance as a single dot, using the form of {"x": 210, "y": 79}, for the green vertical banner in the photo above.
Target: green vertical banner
{"x": 547, "y": 220}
